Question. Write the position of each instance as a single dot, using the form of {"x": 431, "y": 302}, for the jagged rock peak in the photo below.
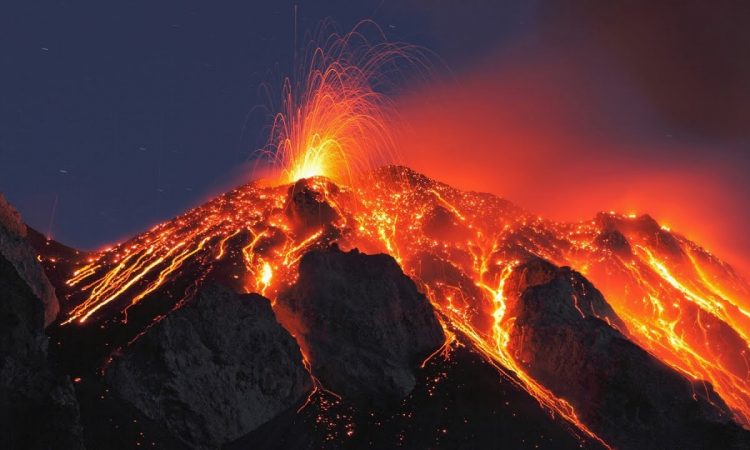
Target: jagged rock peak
{"x": 361, "y": 322}
{"x": 563, "y": 333}
{"x": 15, "y": 248}
{"x": 213, "y": 370}
{"x": 38, "y": 408}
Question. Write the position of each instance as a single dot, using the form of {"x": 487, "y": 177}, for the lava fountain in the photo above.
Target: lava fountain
{"x": 334, "y": 119}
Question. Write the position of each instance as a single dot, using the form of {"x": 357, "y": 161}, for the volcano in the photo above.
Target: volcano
{"x": 398, "y": 312}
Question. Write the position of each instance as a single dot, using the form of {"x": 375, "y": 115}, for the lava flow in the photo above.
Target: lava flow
{"x": 678, "y": 301}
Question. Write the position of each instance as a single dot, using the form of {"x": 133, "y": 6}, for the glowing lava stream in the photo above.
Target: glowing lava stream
{"x": 493, "y": 345}
{"x": 502, "y": 355}
{"x": 664, "y": 314}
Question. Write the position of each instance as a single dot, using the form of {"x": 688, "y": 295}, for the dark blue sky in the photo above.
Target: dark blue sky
{"x": 126, "y": 115}
{"x": 117, "y": 115}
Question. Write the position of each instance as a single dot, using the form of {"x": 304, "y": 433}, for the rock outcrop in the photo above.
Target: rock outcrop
{"x": 213, "y": 370}
{"x": 307, "y": 208}
{"x": 15, "y": 248}
{"x": 561, "y": 333}
{"x": 361, "y": 322}
{"x": 459, "y": 402}
{"x": 38, "y": 408}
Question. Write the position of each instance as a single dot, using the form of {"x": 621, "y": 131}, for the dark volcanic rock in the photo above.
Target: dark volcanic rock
{"x": 461, "y": 402}
{"x": 15, "y": 248}
{"x": 642, "y": 228}
{"x": 213, "y": 370}
{"x": 361, "y": 322}
{"x": 306, "y": 205}
{"x": 614, "y": 241}
{"x": 58, "y": 261}
{"x": 629, "y": 398}
{"x": 38, "y": 409}
{"x": 442, "y": 224}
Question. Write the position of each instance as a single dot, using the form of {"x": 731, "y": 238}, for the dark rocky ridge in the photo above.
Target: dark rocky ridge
{"x": 16, "y": 249}
{"x": 633, "y": 401}
{"x": 361, "y": 322}
{"x": 307, "y": 208}
{"x": 38, "y": 408}
{"x": 458, "y": 403}
{"x": 213, "y": 370}
{"x": 55, "y": 263}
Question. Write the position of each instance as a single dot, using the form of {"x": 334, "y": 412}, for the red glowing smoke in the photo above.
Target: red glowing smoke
{"x": 565, "y": 141}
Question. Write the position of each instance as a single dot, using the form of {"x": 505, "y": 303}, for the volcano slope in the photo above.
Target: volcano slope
{"x": 502, "y": 340}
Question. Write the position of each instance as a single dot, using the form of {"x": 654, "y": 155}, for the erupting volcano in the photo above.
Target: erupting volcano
{"x": 624, "y": 333}
{"x": 668, "y": 295}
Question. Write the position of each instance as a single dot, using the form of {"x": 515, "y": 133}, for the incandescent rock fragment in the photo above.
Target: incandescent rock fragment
{"x": 213, "y": 370}
{"x": 361, "y": 322}
{"x": 560, "y": 333}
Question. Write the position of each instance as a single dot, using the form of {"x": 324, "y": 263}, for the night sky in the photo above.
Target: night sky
{"x": 113, "y": 118}
{"x": 117, "y": 117}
